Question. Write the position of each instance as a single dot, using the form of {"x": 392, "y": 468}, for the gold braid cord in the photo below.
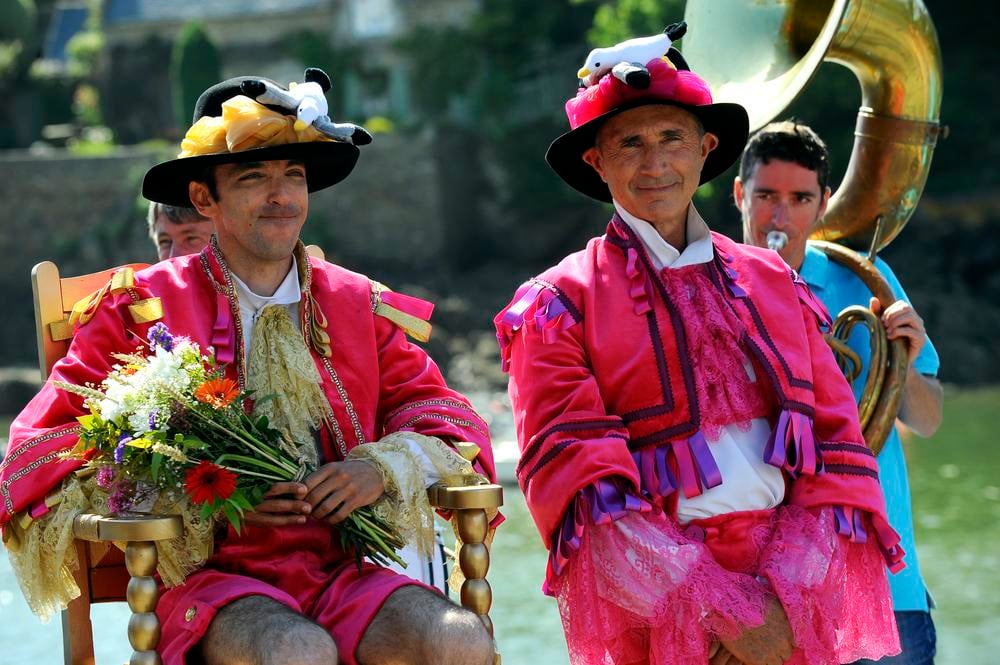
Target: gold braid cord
{"x": 283, "y": 377}
{"x": 44, "y": 558}
{"x": 405, "y": 504}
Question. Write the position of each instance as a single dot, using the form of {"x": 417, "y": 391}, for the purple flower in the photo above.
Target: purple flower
{"x": 105, "y": 476}
{"x": 154, "y": 415}
{"x": 120, "y": 448}
{"x": 118, "y": 500}
{"x": 159, "y": 336}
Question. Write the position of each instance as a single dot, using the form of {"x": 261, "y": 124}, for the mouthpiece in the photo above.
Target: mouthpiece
{"x": 777, "y": 240}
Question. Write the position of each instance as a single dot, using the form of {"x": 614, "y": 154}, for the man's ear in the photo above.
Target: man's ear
{"x": 738, "y": 192}
{"x": 709, "y": 142}
{"x": 824, "y": 202}
{"x": 593, "y": 157}
{"x": 201, "y": 198}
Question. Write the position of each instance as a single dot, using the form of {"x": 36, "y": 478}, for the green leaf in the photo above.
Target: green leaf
{"x": 194, "y": 443}
{"x": 154, "y": 466}
{"x": 206, "y": 511}
{"x": 241, "y": 501}
{"x": 232, "y": 515}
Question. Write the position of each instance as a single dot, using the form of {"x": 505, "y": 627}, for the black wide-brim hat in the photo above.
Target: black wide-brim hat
{"x": 729, "y": 122}
{"x": 326, "y": 162}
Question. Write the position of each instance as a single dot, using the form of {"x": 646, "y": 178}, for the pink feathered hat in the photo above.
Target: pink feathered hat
{"x": 669, "y": 83}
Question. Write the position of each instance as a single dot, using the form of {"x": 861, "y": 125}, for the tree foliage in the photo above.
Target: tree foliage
{"x": 18, "y": 38}
{"x": 624, "y": 19}
{"x": 194, "y": 67}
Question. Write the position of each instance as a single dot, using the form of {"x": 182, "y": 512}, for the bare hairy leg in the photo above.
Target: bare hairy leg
{"x": 257, "y": 630}
{"x": 419, "y": 627}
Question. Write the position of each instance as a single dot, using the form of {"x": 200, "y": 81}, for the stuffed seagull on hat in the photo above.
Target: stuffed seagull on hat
{"x": 627, "y": 60}
{"x": 307, "y": 101}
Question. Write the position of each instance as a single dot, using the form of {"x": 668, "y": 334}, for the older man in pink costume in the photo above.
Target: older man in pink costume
{"x": 284, "y": 591}
{"x": 689, "y": 450}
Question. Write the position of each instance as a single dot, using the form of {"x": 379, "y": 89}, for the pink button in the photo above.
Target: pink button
{"x": 695, "y": 532}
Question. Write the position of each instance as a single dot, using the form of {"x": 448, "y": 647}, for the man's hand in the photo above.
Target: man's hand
{"x": 282, "y": 505}
{"x": 718, "y": 655}
{"x": 770, "y": 644}
{"x": 336, "y": 489}
{"x": 901, "y": 320}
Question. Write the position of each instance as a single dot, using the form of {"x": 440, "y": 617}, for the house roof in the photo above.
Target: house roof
{"x": 67, "y": 20}
{"x": 118, "y": 12}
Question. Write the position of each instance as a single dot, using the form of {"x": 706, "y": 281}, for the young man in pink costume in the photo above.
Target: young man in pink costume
{"x": 284, "y": 591}
{"x": 690, "y": 452}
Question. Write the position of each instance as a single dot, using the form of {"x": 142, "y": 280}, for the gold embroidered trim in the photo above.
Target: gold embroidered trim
{"x": 5, "y": 486}
{"x": 62, "y": 430}
{"x": 435, "y": 402}
{"x": 352, "y": 414}
{"x": 449, "y": 419}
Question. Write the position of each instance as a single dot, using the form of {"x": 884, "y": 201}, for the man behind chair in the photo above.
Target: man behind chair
{"x": 783, "y": 186}
{"x": 282, "y": 591}
{"x": 177, "y": 230}
{"x": 690, "y": 453}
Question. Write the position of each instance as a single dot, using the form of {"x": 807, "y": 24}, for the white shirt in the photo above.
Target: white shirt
{"x": 748, "y": 483}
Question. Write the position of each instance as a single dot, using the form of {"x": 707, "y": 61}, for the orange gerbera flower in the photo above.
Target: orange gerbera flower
{"x": 207, "y": 482}
{"x": 220, "y": 393}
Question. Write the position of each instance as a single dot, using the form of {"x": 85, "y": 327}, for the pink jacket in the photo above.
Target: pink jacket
{"x": 604, "y": 382}
{"x": 375, "y": 381}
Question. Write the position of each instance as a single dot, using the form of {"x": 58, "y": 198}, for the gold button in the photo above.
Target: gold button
{"x": 190, "y": 614}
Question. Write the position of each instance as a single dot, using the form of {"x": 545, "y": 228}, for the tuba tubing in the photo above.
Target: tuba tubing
{"x": 883, "y": 392}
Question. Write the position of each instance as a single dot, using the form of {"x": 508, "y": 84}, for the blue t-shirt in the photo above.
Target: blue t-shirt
{"x": 838, "y": 288}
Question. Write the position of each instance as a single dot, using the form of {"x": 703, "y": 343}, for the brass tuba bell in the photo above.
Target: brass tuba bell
{"x": 763, "y": 54}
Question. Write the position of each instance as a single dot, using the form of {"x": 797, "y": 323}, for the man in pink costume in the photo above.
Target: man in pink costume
{"x": 284, "y": 591}
{"x": 690, "y": 452}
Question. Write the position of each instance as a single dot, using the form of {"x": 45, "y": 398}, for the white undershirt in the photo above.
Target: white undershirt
{"x": 748, "y": 482}
{"x": 289, "y": 295}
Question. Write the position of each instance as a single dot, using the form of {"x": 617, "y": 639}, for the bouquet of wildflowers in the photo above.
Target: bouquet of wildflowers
{"x": 168, "y": 423}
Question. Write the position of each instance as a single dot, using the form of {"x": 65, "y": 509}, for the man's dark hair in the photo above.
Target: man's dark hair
{"x": 174, "y": 214}
{"x": 207, "y": 175}
{"x": 788, "y": 141}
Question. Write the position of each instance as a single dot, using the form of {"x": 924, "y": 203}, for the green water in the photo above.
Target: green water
{"x": 955, "y": 479}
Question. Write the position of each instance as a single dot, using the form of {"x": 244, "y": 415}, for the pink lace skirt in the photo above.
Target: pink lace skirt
{"x": 643, "y": 589}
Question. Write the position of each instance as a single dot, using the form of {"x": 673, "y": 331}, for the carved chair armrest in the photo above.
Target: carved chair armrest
{"x": 470, "y": 505}
{"x": 140, "y": 533}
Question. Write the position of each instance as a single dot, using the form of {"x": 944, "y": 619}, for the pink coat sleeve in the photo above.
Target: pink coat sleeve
{"x": 413, "y": 396}
{"x": 850, "y": 482}
{"x": 567, "y": 438}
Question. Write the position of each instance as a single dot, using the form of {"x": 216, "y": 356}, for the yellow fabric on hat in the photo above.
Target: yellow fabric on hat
{"x": 245, "y": 124}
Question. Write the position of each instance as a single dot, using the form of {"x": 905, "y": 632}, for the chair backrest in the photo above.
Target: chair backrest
{"x": 54, "y": 297}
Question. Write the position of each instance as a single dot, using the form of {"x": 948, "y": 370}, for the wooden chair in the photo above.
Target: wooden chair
{"x": 107, "y": 574}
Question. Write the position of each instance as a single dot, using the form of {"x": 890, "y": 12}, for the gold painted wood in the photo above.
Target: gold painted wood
{"x": 458, "y": 498}
{"x": 127, "y": 528}
{"x": 470, "y": 505}
{"x": 142, "y": 596}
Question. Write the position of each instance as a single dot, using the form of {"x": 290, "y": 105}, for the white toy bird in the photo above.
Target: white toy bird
{"x": 626, "y": 60}
{"x": 308, "y": 101}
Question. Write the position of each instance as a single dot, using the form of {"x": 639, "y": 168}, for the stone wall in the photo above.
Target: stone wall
{"x": 86, "y": 214}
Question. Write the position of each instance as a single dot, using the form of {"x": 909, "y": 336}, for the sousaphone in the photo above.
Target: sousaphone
{"x": 762, "y": 54}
